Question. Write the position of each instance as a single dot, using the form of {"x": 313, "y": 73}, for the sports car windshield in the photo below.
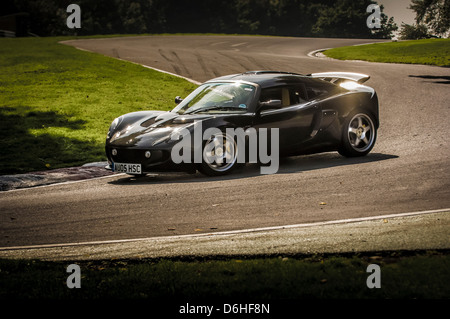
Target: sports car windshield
{"x": 232, "y": 97}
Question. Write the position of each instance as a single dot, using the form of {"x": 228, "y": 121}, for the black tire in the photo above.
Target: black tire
{"x": 359, "y": 134}
{"x": 219, "y": 155}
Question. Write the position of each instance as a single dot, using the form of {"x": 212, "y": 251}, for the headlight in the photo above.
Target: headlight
{"x": 114, "y": 125}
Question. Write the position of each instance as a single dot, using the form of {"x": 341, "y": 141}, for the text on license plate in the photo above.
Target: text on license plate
{"x": 128, "y": 168}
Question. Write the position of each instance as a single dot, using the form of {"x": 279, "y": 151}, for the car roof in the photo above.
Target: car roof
{"x": 264, "y": 78}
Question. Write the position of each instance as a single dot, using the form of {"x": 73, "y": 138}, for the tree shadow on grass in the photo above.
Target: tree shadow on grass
{"x": 22, "y": 151}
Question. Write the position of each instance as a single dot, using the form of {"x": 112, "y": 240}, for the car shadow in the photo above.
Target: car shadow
{"x": 441, "y": 79}
{"x": 287, "y": 165}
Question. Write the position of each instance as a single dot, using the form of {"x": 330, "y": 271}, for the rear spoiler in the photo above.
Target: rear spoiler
{"x": 338, "y": 77}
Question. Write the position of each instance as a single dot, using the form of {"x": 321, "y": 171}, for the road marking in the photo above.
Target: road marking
{"x": 238, "y": 44}
{"x": 217, "y": 43}
{"x": 170, "y": 73}
{"x": 232, "y": 232}
{"x": 312, "y": 54}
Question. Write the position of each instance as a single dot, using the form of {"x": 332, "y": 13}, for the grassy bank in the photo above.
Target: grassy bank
{"x": 428, "y": 51}
{"x": 57, "y": 102}
{"x": 422, "y": 275}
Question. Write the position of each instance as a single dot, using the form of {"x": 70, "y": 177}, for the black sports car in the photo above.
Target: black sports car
{"x": 222, "y": 123}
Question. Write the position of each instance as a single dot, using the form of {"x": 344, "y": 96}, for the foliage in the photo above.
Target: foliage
{"x": 322, "y": 18}
{"x": 340, "y": 20}
{"x": 435, "y": 14}
{"x": 415, "y": 275}
{"x": 388, "y": 27}
{"x": 414, "y": 32}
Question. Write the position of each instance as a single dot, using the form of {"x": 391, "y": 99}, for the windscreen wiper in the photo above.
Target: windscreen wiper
{"x": 213, "y": 107}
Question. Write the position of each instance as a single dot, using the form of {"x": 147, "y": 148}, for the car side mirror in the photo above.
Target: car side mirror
{"x": 178, "y": 100}
{"x": 271, "y": 104}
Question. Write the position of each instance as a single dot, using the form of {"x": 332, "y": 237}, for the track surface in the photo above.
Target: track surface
{"x": 408, "y": 170}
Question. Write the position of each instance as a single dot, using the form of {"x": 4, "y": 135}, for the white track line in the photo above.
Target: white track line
{"x": 234, "y": 232}
{"x": 312, "y": 54}
{"x": 162, "y": 71}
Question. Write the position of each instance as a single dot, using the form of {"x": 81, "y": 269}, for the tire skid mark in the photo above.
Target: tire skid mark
{"x": 171, "y": 62}
{"x": 160, "y": 51}
{"x": 182, "y": 64}
{"x": 244, "y": 67}
{"x": 208, "y": 69}
{"x": 201, "y": 62}
{"x": 255, "y": 62}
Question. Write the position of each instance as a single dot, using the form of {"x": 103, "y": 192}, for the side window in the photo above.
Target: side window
{"x": 298, "y": 94}
{"x": 289, "y": 95}
{"x": 314, "y": 90}
{"x": 270, "y": 94}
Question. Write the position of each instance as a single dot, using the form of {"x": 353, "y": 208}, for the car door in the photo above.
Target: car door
{"x": 295, "y": 119}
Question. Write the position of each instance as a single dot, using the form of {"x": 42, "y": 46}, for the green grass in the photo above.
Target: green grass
{"x": 417, "y": 275}
{"x": 57, "y": 102}
{"x": 428, "y": 51}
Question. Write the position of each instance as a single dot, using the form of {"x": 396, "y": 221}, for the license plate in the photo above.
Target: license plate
{"x": 127, "y": 168}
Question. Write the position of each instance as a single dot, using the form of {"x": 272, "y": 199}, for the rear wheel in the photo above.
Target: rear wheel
{"x": 358, "y": 134}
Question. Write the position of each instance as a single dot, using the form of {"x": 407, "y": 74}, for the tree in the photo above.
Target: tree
{"x": 322, "y": 18}
{"x": 132, "y": 18}
{"x": 348, "y": 18}
{"x": 343, "y": 19}
{"x": 388, "y": 26}
{"x": 435, "y": 14}
{"x": 414, "y": 32}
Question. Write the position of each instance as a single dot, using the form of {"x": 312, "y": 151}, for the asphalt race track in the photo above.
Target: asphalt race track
{"x": 407, "y": 171}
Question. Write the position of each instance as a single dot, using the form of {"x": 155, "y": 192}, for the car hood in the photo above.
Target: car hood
{"x": 151, "y": 128}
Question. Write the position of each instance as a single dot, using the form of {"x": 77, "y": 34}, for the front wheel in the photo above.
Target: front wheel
{"x": 219, "y": 155}
{"x": 358, "y": 135}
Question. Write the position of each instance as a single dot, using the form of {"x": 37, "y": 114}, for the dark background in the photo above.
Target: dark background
{"x": 306, "y": 18}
